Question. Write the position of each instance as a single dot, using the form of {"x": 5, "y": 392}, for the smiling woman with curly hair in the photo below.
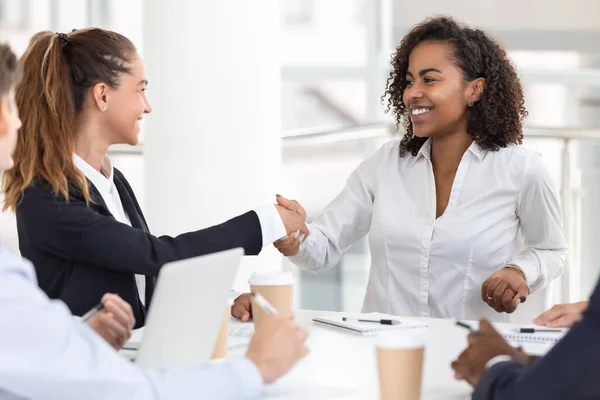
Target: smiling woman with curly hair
{"x": 445, "y": 206}
{"x": 494, "y": 120}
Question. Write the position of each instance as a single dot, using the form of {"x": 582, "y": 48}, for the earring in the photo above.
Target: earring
{"x": 104, "y": 109}
{"x": 470, "y": 103}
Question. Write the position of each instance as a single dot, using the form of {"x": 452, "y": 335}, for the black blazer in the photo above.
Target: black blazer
{"x": 81, "y": 252}
{"x": 570, "y": 370}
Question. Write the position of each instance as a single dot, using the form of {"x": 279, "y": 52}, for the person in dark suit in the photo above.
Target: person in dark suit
{"x": 78, "y": 219}
{"x": 569, "y": 370}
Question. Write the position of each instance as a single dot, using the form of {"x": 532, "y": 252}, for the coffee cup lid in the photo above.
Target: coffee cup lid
{"x": 271, "y": 278}
{"x": 409, "y": 338}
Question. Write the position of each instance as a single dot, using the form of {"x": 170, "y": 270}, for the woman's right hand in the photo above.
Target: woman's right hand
{"x": 289, "y": 246}
{"x": 562, "y": 315}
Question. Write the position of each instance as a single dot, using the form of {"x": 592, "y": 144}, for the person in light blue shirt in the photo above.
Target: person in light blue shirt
{"x": 46, "y": 354}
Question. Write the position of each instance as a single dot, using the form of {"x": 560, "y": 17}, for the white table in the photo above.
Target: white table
{"x": 342, "y": 365}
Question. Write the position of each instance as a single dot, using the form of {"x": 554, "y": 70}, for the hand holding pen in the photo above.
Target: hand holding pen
{"x": 469, "y": 327}
{"x": 112, "y": 319}
{"x": 278, "y": 342}
{"x": 484, "y": 344}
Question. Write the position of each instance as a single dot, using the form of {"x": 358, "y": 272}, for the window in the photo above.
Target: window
{"x": 297, "y": 11}
{"x": 99, "y": 13}
{"x": 13, "y": 14}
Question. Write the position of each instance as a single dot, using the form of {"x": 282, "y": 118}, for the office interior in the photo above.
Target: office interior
{"x": 306, "y": 110}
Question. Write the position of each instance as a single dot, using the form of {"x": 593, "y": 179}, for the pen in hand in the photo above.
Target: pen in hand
{"x": 263, "y": 303}
{"x": 467, "y": 326}
{"x": 97, "y": 308}
{"x": 93, "y": 312}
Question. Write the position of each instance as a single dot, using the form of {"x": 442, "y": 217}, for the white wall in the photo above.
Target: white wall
{"x": 212, "y": 144}
{"x": 579, "y": 15}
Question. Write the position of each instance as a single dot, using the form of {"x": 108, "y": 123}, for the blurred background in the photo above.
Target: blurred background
{"x": 283, "y": 96}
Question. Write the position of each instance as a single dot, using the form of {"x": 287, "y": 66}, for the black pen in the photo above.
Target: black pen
{"x": 534, "y": 330}
{"x": 97, "y": 308}
{"x": 467, "y": 326}
{"x": 377, "y": 321}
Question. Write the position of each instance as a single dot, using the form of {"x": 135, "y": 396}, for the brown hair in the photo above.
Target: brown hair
{"x": 496, "y": 119}
{"x": 58, "y": 72}
{"x": 9, "y": 69}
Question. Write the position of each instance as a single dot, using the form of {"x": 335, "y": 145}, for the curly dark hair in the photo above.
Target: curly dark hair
{"x": 496, "y": 119}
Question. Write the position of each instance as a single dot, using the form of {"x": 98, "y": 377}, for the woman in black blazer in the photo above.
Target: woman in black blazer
{"x": 78, "y": 219}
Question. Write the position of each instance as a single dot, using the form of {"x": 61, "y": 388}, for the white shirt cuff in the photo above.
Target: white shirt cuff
{"x": 271, "y": 224}
{"x": 250, "y": 378}
{"x": 531, "y": 273}
{"x": 497, "y": 360}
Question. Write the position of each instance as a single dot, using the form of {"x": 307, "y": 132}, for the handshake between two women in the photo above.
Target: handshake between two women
{"x": 294, "y": 219}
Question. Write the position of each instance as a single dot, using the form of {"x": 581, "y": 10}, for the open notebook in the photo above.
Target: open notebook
{"x": 537, "y": 337}
{"x": 369, "y": 328}
{"x": 239, "y": 336}
{"x": 536, "y": 344}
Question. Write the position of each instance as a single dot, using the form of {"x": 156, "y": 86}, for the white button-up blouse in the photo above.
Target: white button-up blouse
{"x": 428, "y": 267}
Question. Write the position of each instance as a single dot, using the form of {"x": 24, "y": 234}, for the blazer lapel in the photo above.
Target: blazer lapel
{"x": 137, "y": 221}
{"x": 129, "y": 207}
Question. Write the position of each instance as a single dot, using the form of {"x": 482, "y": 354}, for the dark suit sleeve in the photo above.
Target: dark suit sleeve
{"x": 568, "y": 371}
{"x": 76, "y": 232}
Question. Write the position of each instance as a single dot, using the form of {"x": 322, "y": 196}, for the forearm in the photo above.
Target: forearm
{"x": 317, "y": 253}
{"x": 40, "y": 343}
{"x": 540, "y": 217}
{"x": 231, "y": 380}
{"x": 242, "y": 231}
{"x": 89, "y": 238}
{"x": 565, "y": 372}
{"x": 540, "y": 266}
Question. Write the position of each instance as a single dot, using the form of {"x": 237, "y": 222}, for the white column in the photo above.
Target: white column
{"x": 212, "y": 143}
{"x": 123, "y": 17}
{"x": 71, "y": 14}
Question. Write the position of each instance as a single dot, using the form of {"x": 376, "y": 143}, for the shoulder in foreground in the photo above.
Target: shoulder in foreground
{"x": 11, "y": 263}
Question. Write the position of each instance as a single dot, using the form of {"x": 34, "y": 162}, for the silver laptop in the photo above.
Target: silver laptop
{"x": 187, "y": 310}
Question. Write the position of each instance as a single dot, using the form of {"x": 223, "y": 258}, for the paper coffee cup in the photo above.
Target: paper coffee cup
{"x": 400, "y": 363}
{"x": 277, "y": 287}
{"x": 220, "y": 349}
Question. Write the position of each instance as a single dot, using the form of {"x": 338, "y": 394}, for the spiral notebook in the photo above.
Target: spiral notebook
{"x": 537, "y": 337}
{"x": 369, "y": 328}
{"x": 534, "y": 344}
